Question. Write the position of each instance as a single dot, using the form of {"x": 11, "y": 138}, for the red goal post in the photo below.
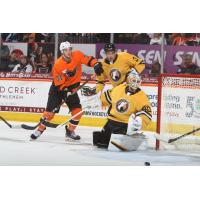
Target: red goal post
{"x": 178, "y": 108}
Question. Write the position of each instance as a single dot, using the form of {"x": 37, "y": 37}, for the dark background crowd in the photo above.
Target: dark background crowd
{"x": 186, "y": 39}
{"x": 39, "y": 58}
{"x": 41, "y": 49}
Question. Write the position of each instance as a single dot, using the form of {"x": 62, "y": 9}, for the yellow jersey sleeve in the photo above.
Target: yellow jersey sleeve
{"x": 135, "y": 62}
{"x": 144, "y": 110}
{"x": 100, "y": 83}
{"x": 106, "y": 98}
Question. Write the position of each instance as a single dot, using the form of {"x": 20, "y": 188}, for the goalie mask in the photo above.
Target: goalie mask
{"x": 133, "y": 79}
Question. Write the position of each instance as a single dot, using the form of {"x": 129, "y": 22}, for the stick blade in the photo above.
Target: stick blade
{"x": 161, "y": 138}
{"x": 16, "y": 126}
{"x": 172, "y": 140}
{"x": 27, "y": 127}
{"x": 51, "y": 125}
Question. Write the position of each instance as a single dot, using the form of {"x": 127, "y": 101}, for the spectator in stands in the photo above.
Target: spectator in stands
{"x": 155, "y": 69}
{"x": 157, "y": 39}
{"x": 4, "y": 56}
{"x": 44, "y": 37}
{"x": 25, "y": 37}
{"x": 35, "y": 54}
{"x": 12, "y": 61}
{"x": 39, "y": 55}
{"x": 44, "y": 67}
{"x": 168, "y": 37}
{"x": 38, "y": 37}
{"x": 18, "y": 53}
{"x": 29, "y": 37}
{"x": 188, "y": 67}
{"x": 12, "y": 37}
{"x": 32, "y": 52}
{"x": 140, "y": 38}
{"x": 178, "y": 39}
{"x": 185, "y": 39}
{"x": 191, "y": 39}
{"x": 24, "y": 66}
{"x": 198, "y": 38}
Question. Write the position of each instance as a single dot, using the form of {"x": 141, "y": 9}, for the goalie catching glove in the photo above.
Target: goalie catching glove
{"x": 134, "y": 125}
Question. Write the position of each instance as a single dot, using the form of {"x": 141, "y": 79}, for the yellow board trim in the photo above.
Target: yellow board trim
{"x": 85, "y": 121}
{"x": 173, "y": 128}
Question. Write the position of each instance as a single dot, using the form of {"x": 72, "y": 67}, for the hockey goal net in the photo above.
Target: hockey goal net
{"x": 178, "y": 110}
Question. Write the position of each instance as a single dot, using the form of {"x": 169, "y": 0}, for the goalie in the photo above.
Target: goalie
{"x": 114, "y": 68}
{"x": 129, "y": 111}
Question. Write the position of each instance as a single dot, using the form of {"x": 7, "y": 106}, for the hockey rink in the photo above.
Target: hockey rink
{"x": 52, "y": 149}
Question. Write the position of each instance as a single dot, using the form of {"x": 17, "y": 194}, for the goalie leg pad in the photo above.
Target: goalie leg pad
{"x": 96, "y": 137}
{"x": 126, "y": 142}
{"x": 101, "y": 138}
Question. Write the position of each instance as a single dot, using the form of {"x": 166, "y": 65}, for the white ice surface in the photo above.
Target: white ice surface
{"x": 51, "y": 149}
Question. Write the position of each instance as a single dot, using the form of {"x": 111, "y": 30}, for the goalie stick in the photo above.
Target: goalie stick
{"x": 159, "y": 137}
{"x": 48, "y": 124}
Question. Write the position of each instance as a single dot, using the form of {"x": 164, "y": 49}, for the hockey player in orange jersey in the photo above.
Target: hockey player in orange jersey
{"x": 66, "y": 72}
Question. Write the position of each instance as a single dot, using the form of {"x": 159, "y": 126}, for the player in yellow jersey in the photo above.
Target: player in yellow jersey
{"x": 114, "y": 68}
{"x": 129, "y": 110}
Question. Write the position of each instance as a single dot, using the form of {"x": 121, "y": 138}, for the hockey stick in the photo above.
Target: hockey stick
{"x": 24, "y": 126}
{"x": 119, "y": 146}
{"x": 181, "y": 136}
{"x": 176, "y": 138}
{"x": 42, "y": 121}
{"x": 52, "y": 125}
{"x": 8, "y": 124}
{"x": 49, "y": 124}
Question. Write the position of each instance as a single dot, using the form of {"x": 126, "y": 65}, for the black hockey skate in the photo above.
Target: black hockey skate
{"x": 36, "y": 134}
{"x": 71, "y": 135}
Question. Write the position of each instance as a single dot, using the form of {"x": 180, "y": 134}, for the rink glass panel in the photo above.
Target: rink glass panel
{"x": 179, "y": 107}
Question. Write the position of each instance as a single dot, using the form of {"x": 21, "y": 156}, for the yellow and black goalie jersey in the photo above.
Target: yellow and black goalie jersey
{"x": 122, "y": 104}
{"x": 116, "y": 72}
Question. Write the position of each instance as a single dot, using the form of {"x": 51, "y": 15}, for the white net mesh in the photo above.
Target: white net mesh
{"x": 180, "y": 110}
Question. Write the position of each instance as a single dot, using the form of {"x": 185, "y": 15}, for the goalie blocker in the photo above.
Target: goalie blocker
{"x": 129, "y": 111}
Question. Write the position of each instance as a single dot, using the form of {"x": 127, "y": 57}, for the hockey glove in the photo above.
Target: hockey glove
{"x": 98, "y": 68}
{"x": 67, "y": 93}
{"x": 134, "y": 124}
{"x": 69, "y": 73}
